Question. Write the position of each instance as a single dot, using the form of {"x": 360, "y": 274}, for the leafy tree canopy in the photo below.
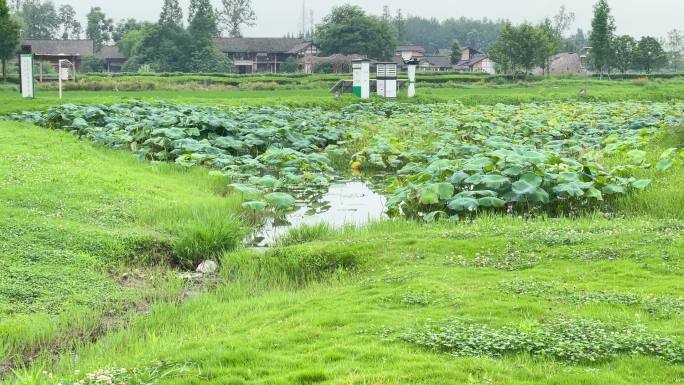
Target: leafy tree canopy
{"x": 348, "y": 30}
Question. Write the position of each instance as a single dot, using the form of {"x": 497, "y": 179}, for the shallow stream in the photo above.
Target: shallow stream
{"x": 345, "y": 204}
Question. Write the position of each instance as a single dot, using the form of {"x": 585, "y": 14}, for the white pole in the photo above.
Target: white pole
{"x": 411, "y": 80}
{"x": 59, "y": 75}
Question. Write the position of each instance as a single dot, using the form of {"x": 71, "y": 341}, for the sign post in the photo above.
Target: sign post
{"x": 26, "y": 75}
{"x": 412, "y": 65}
{"x": 63, "y": 74}
{"x": 361, "y": 85}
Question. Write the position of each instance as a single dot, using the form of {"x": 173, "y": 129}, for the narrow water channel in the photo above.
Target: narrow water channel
{"x": 345, "y": 204}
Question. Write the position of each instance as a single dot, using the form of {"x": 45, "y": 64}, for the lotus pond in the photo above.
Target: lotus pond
{"x": 431, "y": 161}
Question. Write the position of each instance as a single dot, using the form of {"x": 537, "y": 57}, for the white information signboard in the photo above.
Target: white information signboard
{"x": 361, "y": 83}
{"x": 26, "y": 68}
{"x": 387, "y": 80}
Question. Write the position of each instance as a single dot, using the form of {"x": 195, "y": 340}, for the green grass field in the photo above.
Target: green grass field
{"x": 90, "y": 283}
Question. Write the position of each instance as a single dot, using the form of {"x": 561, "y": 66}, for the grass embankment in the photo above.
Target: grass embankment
{"x": 385, "y": 305}
{"x": 438, "y": 91}
{"x": 88, "y": 234}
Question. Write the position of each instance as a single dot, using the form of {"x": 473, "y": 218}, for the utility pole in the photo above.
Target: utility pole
{"x": 312, "y": 30}
{"x": 302, "y": 31}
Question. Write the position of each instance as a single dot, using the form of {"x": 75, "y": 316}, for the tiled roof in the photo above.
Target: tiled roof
{"x": 416, "y": 48}
{"x": 437, "y": 61}
{"x": 60, "y": 47}
{"x": 260, "y": 44}
{"x": 110, "y": 52}
{"x": 72, "y": 48}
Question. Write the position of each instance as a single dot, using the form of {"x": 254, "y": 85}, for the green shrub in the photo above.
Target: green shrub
{"x": 92, "y": 64}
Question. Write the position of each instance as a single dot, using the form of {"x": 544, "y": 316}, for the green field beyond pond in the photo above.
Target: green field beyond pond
{"x": 533, "y": 241}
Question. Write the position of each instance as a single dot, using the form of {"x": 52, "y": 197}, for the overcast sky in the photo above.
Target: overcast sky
{"x": 278, "y": 17}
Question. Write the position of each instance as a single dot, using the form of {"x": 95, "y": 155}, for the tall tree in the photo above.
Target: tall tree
{"x": 10, "y": 30}
{"x": 202, "y": 19}
{"x": 348, "y": 30}
{"x": 125, "y": 26}
{"x": 71, "y": 28}
{"x": 625, "y": 48}
{"x": 602, "y": 31}
{"x": 650, "y": 54}
{"x": 235, "y": 14}
{"x": 518, "y": 48}
{"x": 400, "y": 26}
{"x": 455, "y": 52}
{"x": 171, "y": 14}
{"x": 40, "y": 19}
{"x": 549, "y": 40}
{"x": 99, "y": 28}
{"x": 675, "y": 47}
{"x": 562, "y": 21}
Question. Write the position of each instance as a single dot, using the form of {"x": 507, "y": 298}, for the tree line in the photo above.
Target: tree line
{"x": 184, "y": 43}
{"x": 521, "y": 48}
{"x": 169, "y": 45}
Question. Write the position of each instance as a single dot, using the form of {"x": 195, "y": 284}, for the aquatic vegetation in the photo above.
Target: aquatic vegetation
{"x": 442, "y": 160}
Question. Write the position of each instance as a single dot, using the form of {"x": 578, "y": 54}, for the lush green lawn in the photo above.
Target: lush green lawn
{"x": 89, "y": 237}
{"x": 265, "y": 326}
{"x": 76, "y": 220}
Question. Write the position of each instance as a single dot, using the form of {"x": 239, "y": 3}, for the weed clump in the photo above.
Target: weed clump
{"x": 564, "y": 340}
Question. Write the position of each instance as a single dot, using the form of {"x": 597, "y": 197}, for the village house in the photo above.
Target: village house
{"x": 566, "y": 63}
{"x": 410, "y": 51}
{"x": 264, "y": 55}
{"x": 52, "y": 51}
{"x": 436, "y": 63}
{"x": 473, "y": 60}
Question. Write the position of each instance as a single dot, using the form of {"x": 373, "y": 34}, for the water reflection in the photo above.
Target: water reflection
{"x": 351, "y": 203}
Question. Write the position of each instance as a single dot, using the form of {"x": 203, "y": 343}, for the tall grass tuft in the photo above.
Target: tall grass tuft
{"x": 306, "y": 234}
{"x": 206, "y": 235}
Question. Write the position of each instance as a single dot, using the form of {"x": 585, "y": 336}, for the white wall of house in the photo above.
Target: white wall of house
{"x": 488, "y": 66}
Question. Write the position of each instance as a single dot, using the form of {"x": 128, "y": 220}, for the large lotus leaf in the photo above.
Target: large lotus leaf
{"x": 613, "y": 189}
{"x": 268, "y": 181}
{"x": 568, "y": 177}
{"x": 476, "y": 193}
{"x": 245, "y": 190}
{"x": 528, "y": 183}
{"x": 594, "y": 193}
{"x": 435, "y": 216}
{"x": 572, "y": 189}
{"x": 641, "y": 184}
{"x": 228, "y": 143}
{"x": 439, "y": 166}
{"x": 513, "y": 171}
{"x": 637, "y": 156}
{"x": 494, "y": 182}
{"x": 491, "y": 202}
{"x": 534, "y": 157}
{"x": 477, "y": 164}
{"x": 664, "y": 164}
{"x": 458, "y": 177}
{"x": 539, "y": 196}
{"x": 254, "y": 205}
{"x": 464, "y": 204}
{"x": 280, "y": 200}
{"x": 433, "y": 193}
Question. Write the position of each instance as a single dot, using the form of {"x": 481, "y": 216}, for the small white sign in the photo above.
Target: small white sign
{"x": 26, "y": 68}
{"x": 64, "y": 74}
